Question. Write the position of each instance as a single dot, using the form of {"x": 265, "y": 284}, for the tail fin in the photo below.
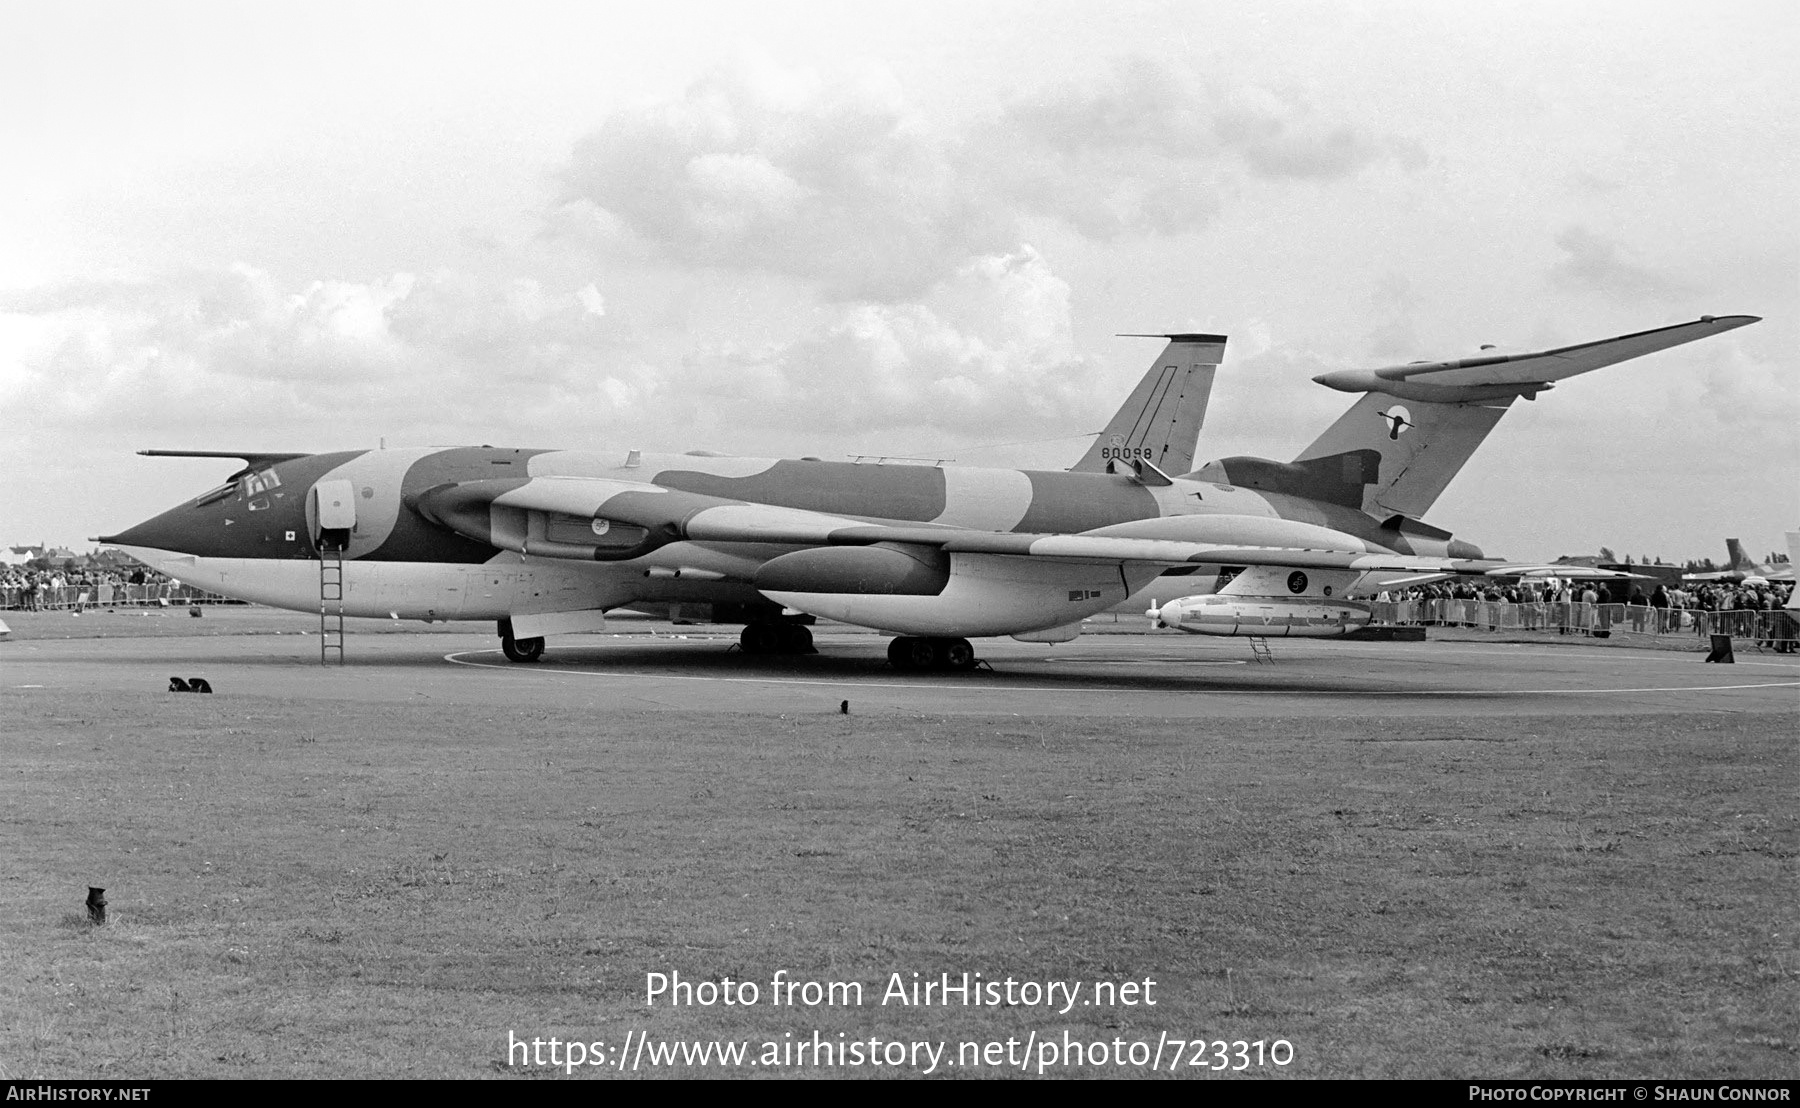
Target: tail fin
{"x": 1420, "y": 446}
{"x": 1426, "y": 419}
{"x": 1160, "y": 421}
{"x": 1737, "y": 559}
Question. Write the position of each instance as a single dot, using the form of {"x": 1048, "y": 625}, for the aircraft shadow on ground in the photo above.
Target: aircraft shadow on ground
{"x": 721, "y": 661}
{"x": 862, "y": 664}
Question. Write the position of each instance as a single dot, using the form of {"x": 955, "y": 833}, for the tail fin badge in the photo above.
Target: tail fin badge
{"x": 1398, "y": 420}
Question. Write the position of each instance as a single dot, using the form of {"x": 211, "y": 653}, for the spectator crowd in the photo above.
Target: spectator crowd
{"x": 1752, "y": 611}
{"x": 28, "y": 589}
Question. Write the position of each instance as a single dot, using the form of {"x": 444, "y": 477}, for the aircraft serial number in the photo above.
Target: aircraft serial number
{"x": 1127, "y": 453}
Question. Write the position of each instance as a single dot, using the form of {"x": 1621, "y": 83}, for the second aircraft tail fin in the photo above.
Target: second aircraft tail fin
{"x": 1425, "y": 419}
{"x": 1418, "y": 448}
{"x": 1160, "y": 421}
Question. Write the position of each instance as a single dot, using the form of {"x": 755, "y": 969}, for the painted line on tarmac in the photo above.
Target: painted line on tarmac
{"x": 461, "y": 658}
{"x": 1126, "y": 661}
{"x": 1637, "y": 654}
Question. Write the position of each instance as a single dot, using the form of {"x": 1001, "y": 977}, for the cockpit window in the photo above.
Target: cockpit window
{"x": 251, "y": 486}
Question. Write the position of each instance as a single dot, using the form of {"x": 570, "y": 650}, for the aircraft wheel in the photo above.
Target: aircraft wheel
{"x": 522, "y": 650}
{"x": 955, "y": 654}
{"x": 760, "y": 638}
{"x": 794, "y": 639}
{"x": 908, "y": 653}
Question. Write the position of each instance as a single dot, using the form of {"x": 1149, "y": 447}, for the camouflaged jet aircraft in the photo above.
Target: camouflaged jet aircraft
{"x": 544, "y": 542}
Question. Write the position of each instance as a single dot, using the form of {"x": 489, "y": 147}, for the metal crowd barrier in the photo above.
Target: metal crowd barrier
{"x": 1778, "y": 628}
{"x": 79, "y": 597}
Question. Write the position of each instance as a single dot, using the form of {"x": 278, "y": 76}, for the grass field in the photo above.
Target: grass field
{"x": 318, "y": 888}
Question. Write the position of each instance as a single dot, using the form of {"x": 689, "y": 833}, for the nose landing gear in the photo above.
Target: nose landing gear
{"x": 918, "y": 654}
{"x": 519, "y": 650}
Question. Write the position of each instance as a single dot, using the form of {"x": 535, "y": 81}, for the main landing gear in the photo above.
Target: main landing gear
{"x": 776, "y": 638}
{"x": 519, "y": 650}
{"x": 913, "y": 654}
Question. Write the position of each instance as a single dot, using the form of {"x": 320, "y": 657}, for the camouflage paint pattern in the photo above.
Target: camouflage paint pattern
{"x": 471, "y": 532}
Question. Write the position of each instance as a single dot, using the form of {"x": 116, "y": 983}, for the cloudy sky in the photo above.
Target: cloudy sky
{"x": 909, "y": 228}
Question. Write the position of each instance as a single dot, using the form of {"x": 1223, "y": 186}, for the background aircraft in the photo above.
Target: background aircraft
{"x": 1739, "y": 566}
{"x": 545, "y": 541}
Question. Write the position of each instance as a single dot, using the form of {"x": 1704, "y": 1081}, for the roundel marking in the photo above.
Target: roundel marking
{"x": 1296, "y": 581}
{"x": 1398, "y": 420}
{"x": 1326, "y": 590}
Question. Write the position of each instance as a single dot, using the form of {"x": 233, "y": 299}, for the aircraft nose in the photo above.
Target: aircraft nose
{"x": 181, "y": 529}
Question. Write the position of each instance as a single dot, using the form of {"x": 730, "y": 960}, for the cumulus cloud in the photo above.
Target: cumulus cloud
{"x": 988, "y": 350}
{"x": 1744, "y": 394}
{"x": 196, "y": 353}
{"x": 760, "y": 168}
{"x": 1133, "y": 152}
{"x": 1594, "y": 184}
{"x": 1284, "y": 136}
{"x": 911, "y": 303}
{"x": 1595, "y": 263}
{"x": 839, "y": 183}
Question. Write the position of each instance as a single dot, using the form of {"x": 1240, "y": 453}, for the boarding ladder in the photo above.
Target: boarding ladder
{"x": 1259, "y": 649}
{"x": 331, "y": 602}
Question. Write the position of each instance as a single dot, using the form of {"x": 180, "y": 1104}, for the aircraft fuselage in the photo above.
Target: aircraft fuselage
{"x": 256, "y": 538}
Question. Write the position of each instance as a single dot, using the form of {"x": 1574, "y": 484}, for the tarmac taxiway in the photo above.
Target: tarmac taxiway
{"x": 653, "y": 666}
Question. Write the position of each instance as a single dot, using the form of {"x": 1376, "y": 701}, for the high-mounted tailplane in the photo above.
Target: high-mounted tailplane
{"x": 1160, "y": 421}
{"x": 1402, "y": 442}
